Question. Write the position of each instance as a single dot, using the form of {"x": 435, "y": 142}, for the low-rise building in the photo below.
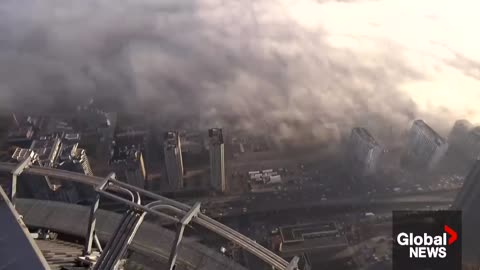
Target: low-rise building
{"x": 55, "y": 152}
{"x": 322, "y": 239}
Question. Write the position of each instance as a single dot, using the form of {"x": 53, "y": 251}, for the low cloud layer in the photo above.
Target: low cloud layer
{"x": 269, "y": 66}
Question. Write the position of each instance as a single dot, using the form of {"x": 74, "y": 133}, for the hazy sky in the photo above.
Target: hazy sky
{"x": 438, "y": 38}
{"x": 277, "y": 65}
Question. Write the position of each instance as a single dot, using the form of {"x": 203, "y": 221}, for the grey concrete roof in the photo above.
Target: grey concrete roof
{"x": 151, "y": 240}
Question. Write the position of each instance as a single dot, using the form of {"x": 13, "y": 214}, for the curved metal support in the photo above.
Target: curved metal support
{"x": 122, "y": 189}
{"x": 137, "y": 206}
{"x": 106, "y": 182}
{"x": 162, "y": 205}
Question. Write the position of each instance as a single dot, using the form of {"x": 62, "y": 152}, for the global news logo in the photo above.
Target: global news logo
{"x": 426, "y": 240}
{"x": 427, "y": 246}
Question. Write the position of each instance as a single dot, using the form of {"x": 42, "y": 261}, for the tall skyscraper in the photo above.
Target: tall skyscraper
{"x": 217, "y": 159}
{"x": 426, "y": 147}
{"x": 365, "y": 152}
{"x": 173, "y": 159}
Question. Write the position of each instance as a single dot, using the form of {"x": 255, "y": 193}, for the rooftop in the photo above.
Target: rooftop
{"x": 429, "y": 131}
{"x": 47, "y": 148}
{"x": 171, "y": 139}
{"x": 126, "y": 153}
{"x": 303, "y": 232}
{"x": 317, "y": 237}
{"x": 216, "y": 135}
{"x": 364, "y": 134}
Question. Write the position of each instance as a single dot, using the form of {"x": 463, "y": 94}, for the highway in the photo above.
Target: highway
{"x": 294, "y": 201}
{"x": 203, "y": 220}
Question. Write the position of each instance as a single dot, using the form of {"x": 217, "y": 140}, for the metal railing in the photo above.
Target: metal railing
{"x": 110, "y": 187}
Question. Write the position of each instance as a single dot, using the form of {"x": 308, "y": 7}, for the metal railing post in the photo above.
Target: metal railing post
{"x": 178, "y": 238}
{"x": 15, "y": 173}
{"x": 91, "y": 226}
{"x": 91, "y": 235}
{"x": 293, "y": 265}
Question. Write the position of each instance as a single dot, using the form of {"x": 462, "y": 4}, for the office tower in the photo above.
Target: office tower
{"x": 217, "y": 159}
{"x": 458, "y": 138}
{"x": 173, "y": 159}
{"x": 459, "y": 133}
{"x": 425, "y": 148}
{"x": 365, "y": 152}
